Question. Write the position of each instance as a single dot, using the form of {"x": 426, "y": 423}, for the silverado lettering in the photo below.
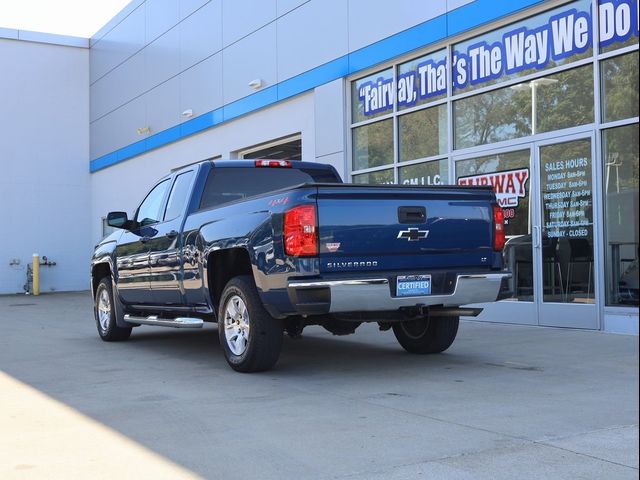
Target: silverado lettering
{"x": 351, "y": 264}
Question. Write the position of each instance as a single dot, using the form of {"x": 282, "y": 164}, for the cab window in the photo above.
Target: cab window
{"x": 178, "y": 196}
{"x": 150, "y": 210}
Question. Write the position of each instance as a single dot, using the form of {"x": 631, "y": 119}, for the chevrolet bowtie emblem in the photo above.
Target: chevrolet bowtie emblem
{"x": 413, "y": 234}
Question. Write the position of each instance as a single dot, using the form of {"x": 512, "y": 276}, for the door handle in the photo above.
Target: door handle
{"x": 172, "y": 234}
{"x": 145, "y": 239}
{"x": 536, "y": 237}
{"x": 412, "y": 215}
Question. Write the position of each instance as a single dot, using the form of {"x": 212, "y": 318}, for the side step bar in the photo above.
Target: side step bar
{"x": 180, "y": 322}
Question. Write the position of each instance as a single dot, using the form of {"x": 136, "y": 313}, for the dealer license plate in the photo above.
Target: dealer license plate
{"x": 413, "y": 285}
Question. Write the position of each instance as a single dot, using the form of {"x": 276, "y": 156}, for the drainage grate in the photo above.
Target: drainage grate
{"x": 21, "y": 304}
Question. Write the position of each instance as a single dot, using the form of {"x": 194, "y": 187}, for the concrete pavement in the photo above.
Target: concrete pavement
{"x": 505, "y": 401}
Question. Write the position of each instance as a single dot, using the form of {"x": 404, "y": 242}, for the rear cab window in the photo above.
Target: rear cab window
{"x": 229, "y": 184}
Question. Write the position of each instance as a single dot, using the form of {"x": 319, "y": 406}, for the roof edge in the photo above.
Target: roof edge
{"x": 41, "y": 37}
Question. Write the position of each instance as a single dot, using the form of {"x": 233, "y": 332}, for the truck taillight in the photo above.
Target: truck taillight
{"x": 498, "y": 229}
{"x": 301, "y": 232}
{"x": 273, "y": 163}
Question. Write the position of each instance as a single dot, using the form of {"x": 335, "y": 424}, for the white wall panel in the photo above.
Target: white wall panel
{"x": 160, "y": 16}
{"x": 250, "y": 58}
{"x": 201, "y": 34}
{"x": 187, "y": 7}
{"x": 125, "y": 82}
{"x": 162, "y": 59}
{"x": 125, "y": 39}
{"x": 311, "y": 35}
{"x": 241, "y": 17}
{"x": 369, "y": 22}
{"x": 126, "y": 120}
{"x": 285, "y": 6}
{"x": 201, "y": 86}
{"x": 330, "y": 118}
{"x": 103, "y": 136}
{"x": 162, "y": 105}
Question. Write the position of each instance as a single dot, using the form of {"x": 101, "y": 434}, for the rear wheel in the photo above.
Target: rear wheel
{"x": 426, "y": 335}
{"x": 105, "y": 314}
{"x": 250, "y": 338}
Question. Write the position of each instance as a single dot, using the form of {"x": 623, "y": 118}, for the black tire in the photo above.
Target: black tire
{"x": 264, "y": 343}
{"x": 108, "y": 329}
{"x": 427, "y": 335}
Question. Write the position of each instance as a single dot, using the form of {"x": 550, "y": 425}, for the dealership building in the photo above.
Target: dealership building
{"x": 537, "y": 98}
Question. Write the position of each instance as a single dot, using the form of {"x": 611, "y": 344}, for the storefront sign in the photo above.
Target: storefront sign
{"x": 423, "y": 180}
{"x": 567, "y": 198}
{"x": 563, "y": 35}
{"x": 509, "y": 185}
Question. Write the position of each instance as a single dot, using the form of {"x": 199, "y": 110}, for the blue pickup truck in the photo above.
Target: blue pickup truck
{"x": 268, "y": 247}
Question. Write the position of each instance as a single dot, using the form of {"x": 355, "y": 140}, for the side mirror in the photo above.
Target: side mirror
{"x": 118, "y": 220}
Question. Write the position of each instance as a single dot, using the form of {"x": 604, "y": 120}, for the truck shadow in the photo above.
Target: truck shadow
{"x": 317, "y": 351}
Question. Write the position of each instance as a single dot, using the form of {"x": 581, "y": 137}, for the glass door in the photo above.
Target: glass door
{"x": 510, "y": 172}
{"x": 546, "y": 192}
{"x": 563, "y": 234}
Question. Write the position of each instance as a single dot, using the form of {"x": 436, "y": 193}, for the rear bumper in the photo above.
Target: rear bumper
{"x": 374, "y": 294}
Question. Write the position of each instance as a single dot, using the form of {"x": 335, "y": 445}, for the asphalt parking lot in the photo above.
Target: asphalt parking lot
{"x": 504, "y": 402}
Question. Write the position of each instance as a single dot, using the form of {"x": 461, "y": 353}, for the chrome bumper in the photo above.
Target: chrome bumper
{"x": 374, "y": 294}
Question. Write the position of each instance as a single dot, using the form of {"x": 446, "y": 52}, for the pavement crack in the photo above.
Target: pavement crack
{"x": 585, "y": 455}
{"x": 588, "y": 432}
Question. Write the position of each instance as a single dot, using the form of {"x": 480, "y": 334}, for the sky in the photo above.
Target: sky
{"x": 78, "y": 18}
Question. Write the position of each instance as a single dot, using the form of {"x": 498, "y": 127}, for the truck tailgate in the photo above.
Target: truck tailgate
{"x": 404, "y": 228}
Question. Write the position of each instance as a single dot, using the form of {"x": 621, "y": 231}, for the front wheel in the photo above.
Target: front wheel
{"x": 105, "y": 314}
{"x": 251, "y": 339}
{"x": 426, "y": 335}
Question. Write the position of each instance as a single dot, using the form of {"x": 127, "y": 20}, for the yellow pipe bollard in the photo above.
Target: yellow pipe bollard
{"x": 35, "y": 281}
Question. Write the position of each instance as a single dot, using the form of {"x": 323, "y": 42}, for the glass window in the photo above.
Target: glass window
{"x": 619, "y": 80}
{"x": 618, "y": 24}
{"x": 423, "y": 133}
{"x": 228, "y": 184}
{"x": 492, "y": 117}
{"x": 178, "y": 195}
{"x": 509, "y": 174}
{"x": 620, "y": 176}
{"x": 382, "y": 177}
{"x": 428, "y": 173}
{"x": 373, "y": 145}
{"x": 422, "y": 80}
{"x": 548, "y": 40}
{"x": 372, "y": 96}
{"x": 150, "y": 211}
{"x": 562, "y": 100}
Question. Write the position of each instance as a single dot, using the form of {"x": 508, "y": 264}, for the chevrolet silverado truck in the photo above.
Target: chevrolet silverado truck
{"x": 268, "y": 247}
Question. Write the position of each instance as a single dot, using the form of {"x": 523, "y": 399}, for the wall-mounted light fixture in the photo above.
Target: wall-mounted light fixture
{"x": 187, "y": 113}
{"x": 256, "y": 83}
{"x": 143, "y": 130}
